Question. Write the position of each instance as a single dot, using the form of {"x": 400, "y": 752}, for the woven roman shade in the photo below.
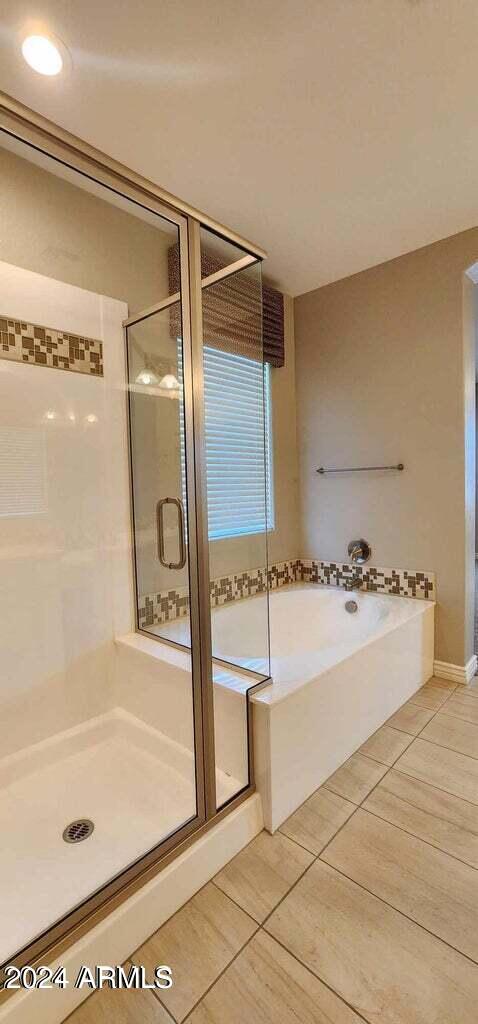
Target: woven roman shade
{"x": 273, "y": 325}
{"x": 238, "y": 315}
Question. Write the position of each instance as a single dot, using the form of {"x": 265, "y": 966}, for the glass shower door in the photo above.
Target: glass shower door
{"x": 238, "y": 481}
{"x": 161, "y": 550}
{"x": 159, "y": 475}
{"x": 227, "y": 621}
{"x": 131, "y": 728}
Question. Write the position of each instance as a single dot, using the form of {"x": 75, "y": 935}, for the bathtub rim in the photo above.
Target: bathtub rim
{"x": 275, "y": 692}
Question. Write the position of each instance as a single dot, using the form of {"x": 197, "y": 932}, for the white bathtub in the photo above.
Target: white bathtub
{"x": 310, "y": 630}
{"x": 336, "y": 678}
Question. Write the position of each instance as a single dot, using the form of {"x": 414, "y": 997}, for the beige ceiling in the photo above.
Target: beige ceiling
{"x": 336, "y": 133}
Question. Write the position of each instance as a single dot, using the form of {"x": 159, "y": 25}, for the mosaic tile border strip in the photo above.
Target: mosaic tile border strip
{"x": 154, "y": 609}
{"x": 22, "y": 342}
{"x": 173, "y": 604}
{"x": 401, "y": 582}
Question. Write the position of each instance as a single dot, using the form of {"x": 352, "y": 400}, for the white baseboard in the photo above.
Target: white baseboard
{"x": 127, "y": 927}
{"x": 457, "y": 673}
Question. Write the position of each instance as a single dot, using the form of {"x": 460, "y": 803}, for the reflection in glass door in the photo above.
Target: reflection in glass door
{"x": 161, "y": 552}
{"x": 158, "y": 475}
{"x": 238, "y": 477}
{"x": 230, "y": 419}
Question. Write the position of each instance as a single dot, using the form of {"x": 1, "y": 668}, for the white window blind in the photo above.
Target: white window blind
{"x": 238, "y": 423}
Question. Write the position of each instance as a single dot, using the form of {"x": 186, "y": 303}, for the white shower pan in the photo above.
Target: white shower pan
{"x": 134, "y": 783}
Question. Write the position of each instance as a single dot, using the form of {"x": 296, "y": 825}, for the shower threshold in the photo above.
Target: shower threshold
{"x": 132, "y": 781}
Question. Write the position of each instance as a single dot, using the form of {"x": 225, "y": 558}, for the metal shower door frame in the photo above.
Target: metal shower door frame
{"x": 24, "y": 125}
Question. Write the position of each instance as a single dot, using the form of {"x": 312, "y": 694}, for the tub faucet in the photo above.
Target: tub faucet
{"x": 355, "y": 583}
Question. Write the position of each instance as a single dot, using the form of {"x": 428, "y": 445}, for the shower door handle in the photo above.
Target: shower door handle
{"x": 160, "y": 529}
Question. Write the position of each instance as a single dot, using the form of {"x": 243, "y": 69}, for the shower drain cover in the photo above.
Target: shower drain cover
{"x": 78, "y": 830}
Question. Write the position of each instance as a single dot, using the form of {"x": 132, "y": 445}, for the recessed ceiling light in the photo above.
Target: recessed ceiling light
{"x": 147, "y": 377}
{"x": 170, "y": 382}
{"x": 42, "y": 55}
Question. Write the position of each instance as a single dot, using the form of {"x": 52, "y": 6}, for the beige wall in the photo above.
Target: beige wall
{"x": 56, "y": 228}
{"x": 381, "y": 362}
{"x": 284, "y": 541}
{"x": 470, "y": 321}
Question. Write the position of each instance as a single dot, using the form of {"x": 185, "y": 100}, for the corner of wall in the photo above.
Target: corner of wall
{"x": 470, "y": 324}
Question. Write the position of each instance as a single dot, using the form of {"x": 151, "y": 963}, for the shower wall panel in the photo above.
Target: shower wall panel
{"x": 65, "y": 583}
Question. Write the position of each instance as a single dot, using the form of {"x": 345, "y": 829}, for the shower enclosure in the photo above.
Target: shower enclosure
{"x": 134, "y": 482}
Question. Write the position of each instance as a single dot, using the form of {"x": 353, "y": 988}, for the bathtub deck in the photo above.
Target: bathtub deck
{"x": 377, "y": 871}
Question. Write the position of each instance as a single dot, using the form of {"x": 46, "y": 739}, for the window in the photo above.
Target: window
{"x": 238, "y": 414}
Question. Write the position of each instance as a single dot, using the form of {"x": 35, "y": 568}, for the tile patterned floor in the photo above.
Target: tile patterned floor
{"x": 362, "y": 908}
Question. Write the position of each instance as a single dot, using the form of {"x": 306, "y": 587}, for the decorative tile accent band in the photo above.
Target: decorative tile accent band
{"x": 402, "y": 582}
{"x": 162, "y": 607}
{"x": 172, "y": 604}
{"x": 251, "y": 582}
{"x": 44, "y": 346}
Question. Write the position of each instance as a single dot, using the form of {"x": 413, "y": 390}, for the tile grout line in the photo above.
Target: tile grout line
{"x": 404, "y": 731}
{"x": 460, "y": 718}
{"x": 301, "y": 845}
{"x": 360, "y": 807}
{"x": 97, "y": 992}
{"x": 261, "y": 926}
{"x": 413, "y": 736}
{"x": 183, "y": 905}
{"x": 468, "y": 692}
{"x": 389, "y": 767}
{"x": 443, "y": 746}
{"x": 316, "y": 857}
{"x": 375, "y": 759}
{"x": 210, "y": 881}
{"x": 323, "y": 785}
{"x": 236, "y": 904}
{"x": 420, "y": 839}
{"x": 401, "y": 912}
{"x": 357, "y": 807}
{"x": 319, "y": 857}
{"x": 432, "y": 785}
{"x": 309, "y": 970}
{"x": 469, "y": 702}
{"x": 155, "y": 992}
{"x": 277, "y": 832}
{"x": 424, "y": 707}
{"x": 226, "y": 968}
{"x": 434, "y": 711}
{"x": 419, "y": 708}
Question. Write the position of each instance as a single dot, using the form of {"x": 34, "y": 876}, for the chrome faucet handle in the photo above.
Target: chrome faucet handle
{"x": 359, "y": 551}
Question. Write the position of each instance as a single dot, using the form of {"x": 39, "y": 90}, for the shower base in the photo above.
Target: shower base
{"x": 130, "y": 780}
